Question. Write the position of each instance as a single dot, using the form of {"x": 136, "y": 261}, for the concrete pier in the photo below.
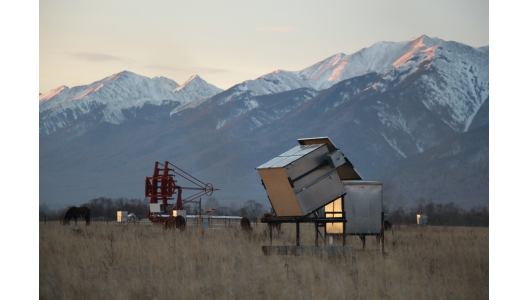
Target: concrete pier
{"x": 327, "y": 251}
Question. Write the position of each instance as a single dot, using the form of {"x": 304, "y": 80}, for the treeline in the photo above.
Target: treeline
{"x": 106, "y": 208}
{"x": 437, "y": 214}
{"x": 441, "y": 215}
{"x": 250, "y": 208}
{"x": 100, "y": 208}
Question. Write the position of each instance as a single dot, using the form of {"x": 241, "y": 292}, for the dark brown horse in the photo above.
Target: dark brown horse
{"x": 174, "y": 222}
{"x": 77, "y": 212}
{"x": 246, "y": 225}
{"x": 387, "y": 225}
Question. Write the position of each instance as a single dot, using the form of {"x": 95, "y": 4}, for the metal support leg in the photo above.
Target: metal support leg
{"x": 297, "y": 231}
{"x": 382, "y": 240}
{"x": 344, "y": 234}
{"x": 271, "y": 233}
{"x": 316, "y": 234}
{"x": 362, "y": 237}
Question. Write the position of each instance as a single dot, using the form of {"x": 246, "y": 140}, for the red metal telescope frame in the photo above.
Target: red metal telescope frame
{"x": 163, "y": 186}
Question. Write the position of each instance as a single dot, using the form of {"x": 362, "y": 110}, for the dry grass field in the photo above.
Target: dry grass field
{"x": 103, "y": 261}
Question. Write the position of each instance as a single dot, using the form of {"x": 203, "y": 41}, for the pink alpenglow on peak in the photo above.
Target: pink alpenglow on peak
{"x": 52, "y": 93}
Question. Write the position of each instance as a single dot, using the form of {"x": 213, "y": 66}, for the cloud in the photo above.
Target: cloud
{"x": 195, "y": 70}
{"x": 277, "y": 29}
{"x": 92, "y": 56}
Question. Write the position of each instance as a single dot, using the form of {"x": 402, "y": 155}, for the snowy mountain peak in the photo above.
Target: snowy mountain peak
{"x": 188, "y": 82}
{"x": 167, "y": 83}
{"x": 108, "y": 97}
{"x": 196, "y": 88}
{"x": 121, "y": 74}
{"x": 273, "y": 72}
{"x": 381, "y": 57}
{"x": 426, "y": 41}
{"x": 52, "y": 93}
{"x": 275, "y": 82}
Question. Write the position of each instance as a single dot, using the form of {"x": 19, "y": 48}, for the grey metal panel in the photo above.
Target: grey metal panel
{"x": 308, "y": 162}
{"x": 363, "y": 207}
{"x": 336, "y": 159}
{"x": 291, "y": 151}
{"x": 320, "y": 192}
{"x": 271, "y": 162}
{"x": 346, "y": 171}
{"x": 286, "y": 161}
{"x": 290, "y": 156}
{"x": 307, "y": 149}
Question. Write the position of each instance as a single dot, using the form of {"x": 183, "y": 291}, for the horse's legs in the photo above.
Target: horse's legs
{"x": 362, "y": 237}
{"x": 75, "y": 218}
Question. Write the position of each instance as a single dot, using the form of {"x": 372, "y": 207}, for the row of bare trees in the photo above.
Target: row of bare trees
{"x": 101, "y": 208}
{"x": 440, "y": 214}
{"x": 105, "y": 208}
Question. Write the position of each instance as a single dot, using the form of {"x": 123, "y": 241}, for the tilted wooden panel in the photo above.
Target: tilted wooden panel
{"x": 280, "y": 192}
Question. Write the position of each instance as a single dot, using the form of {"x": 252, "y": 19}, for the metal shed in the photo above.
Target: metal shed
{"x": 363, "y": 206}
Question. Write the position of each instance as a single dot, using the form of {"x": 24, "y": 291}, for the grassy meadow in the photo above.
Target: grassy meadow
{"x": 107, "y": 261}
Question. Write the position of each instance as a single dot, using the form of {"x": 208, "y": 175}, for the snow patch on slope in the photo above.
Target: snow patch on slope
{"x": 394, "y": 145}
{"x": 249, "y": 104}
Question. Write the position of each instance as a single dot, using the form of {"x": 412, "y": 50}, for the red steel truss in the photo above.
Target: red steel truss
{"x": 162, "y": 186}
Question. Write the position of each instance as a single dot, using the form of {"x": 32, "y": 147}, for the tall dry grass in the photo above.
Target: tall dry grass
{"x": 144, "y": 262}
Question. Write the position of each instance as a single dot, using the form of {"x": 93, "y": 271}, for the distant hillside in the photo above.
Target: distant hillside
{"x": 456, "y": 171}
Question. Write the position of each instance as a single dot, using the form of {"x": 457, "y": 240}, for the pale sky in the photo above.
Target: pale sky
{"x": 227, "y": 42}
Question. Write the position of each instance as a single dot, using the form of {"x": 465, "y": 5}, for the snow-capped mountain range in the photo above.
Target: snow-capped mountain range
{"x": 113, "y": 94}
{"x": 383, "y": 104}
{"x": 460, "y": 87}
